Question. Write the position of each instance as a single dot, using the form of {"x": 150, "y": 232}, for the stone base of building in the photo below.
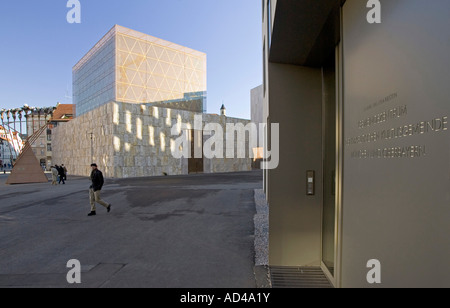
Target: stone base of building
{"x": 131, "y": 140}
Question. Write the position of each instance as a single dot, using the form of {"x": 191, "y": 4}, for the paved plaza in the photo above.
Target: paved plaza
{"x": 187, "y": 231}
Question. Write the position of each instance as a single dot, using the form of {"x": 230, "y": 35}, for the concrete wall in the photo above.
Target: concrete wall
{"x": 132, "y": 140}
{"x": 257, "y": 117}
{"x": 295, "y": 219}
{"x": 71, "y": 142}
{"x": 397, "y": 210}
{"x": 257, "y": 105}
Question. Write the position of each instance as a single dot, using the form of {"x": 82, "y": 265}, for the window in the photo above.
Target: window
{"x": 49, "y": 147}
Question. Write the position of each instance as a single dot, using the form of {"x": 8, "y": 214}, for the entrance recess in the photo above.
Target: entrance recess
{"x": 331, "y": 170}
{"x": 196, "y": 140}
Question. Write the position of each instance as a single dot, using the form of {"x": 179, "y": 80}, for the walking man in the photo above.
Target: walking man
{"x": 61, "y": 174}
{"x": 95, "y": 189}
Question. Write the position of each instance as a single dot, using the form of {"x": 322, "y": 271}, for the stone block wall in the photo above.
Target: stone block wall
{"x": 73, "y": 147}
{"x": 142, "y": 141}
{"x": 132, "y": 140}
{"x": 221, "y": 165}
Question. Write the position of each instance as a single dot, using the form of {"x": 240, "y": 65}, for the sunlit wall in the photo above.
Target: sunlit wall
{"x": 132, "y": 67}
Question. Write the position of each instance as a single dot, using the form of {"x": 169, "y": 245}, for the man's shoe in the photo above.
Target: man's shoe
{"x": 92, "y": 214}
{"x": 109, "y": 208}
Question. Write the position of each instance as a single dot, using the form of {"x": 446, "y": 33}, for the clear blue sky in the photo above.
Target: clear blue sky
{"x": 39, "y": 48}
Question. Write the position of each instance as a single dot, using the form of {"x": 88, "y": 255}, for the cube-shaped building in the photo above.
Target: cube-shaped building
{"x": 131, "y": 67}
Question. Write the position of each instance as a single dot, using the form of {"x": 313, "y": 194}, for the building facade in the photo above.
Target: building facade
{"x": 132, "y": 67}
{"x": 7, "y": 153}
{"x": 257, "y": 117}
{"x": 130, "y": 140}
{"x": 257, "y": 105}
{"x": 363, "y": 112}
{"x": 42, "y": 147}
{"x": 63, "y": 113}
{"x": 130, "y": 91}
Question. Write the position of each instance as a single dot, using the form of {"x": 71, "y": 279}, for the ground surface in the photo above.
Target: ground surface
{"x": 187, "y": 231}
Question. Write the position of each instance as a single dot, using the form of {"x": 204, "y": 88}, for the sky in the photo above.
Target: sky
{"x": 38, "y": 47}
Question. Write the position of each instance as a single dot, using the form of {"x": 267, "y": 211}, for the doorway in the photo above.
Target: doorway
{"x": 195, "y": 162}
{"x": 331, "y": 163}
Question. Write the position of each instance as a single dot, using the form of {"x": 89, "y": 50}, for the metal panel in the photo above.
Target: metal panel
{"x": 396, "y": 154}
{"x": 298, "y": 277}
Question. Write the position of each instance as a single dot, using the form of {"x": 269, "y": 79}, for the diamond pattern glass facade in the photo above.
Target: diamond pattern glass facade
{"x": 132, "y": 67}
{"x": 94, "y": 76}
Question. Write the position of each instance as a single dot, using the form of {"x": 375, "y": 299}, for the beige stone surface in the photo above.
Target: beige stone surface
{"x": 134, "y": 141}
{"x": 72, "y": 142}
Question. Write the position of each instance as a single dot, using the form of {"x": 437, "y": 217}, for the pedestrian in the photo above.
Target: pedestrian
{"x": 61, "y": 175}
{"x": 54, "y": 175}
{"x": 95, "y": 189}
{"x": 65, "y": 172}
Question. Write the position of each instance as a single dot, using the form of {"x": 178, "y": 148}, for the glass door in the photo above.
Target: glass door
{"x": 330, "y": 162}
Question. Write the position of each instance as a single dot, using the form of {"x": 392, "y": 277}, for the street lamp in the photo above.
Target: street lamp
{"x": 92, "y": 146}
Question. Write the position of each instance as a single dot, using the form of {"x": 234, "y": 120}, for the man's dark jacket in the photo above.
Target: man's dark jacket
{"x": 97, "y": 180}
{"x": 61, "y": 171}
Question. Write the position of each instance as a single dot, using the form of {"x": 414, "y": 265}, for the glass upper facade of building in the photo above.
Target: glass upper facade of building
{"x": 133, "y": 67}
